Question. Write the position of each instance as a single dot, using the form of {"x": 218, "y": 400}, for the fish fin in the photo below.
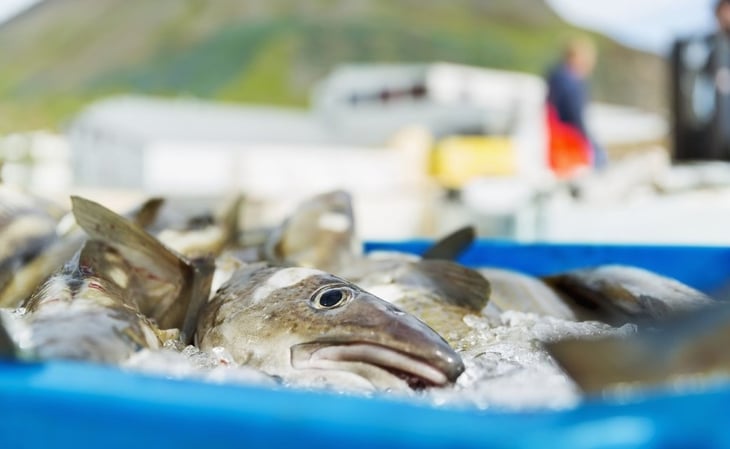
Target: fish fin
{"x": 229, "y": 218}
{"x": 103, "y": 260}
{"x": 596, "y": 364}
{"x": 454, "y": 283}
{"x": 198, "y": 291}
{"x": 453, "y": 245}
{"x": 146, "y": 213}
{"x": 171, "y": 283}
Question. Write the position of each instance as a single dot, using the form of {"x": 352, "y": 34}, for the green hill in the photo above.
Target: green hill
{"x": 62, "y": 54}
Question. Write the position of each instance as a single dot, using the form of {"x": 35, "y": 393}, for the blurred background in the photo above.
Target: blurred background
{"x": 431, "y": 113}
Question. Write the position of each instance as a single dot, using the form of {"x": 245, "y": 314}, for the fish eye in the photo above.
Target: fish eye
{"x": 331, "y": 297}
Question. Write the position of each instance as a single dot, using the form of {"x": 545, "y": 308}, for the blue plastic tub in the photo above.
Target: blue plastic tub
{"x": 70, "y": 405}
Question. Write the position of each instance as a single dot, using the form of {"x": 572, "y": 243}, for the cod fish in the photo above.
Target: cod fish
{"x": 689, "y": 345}
{"x": 62, "y": 246}
{"x": 114, "y": 297}
{"x": 296, "y": 322}
{"x": 320, "y": 233}
{"x": 618, "y": 294}
{"x": 87, "y": 311}
{"x": 175, "y": 288}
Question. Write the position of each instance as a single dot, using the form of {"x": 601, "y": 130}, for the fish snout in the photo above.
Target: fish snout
{"x": 404, "y": 333}
{"x": 424, "y": 343}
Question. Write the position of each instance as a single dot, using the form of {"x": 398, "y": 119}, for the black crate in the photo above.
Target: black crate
{"x": 700, "y": 72}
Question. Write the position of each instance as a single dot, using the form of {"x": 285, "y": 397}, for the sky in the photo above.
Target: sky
{"x": 646, "y": 24}
{"x": 8, "y": 8}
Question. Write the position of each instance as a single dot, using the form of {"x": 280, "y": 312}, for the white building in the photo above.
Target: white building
{"x": 278, "y": 156}
{"x": 356, "y": 106}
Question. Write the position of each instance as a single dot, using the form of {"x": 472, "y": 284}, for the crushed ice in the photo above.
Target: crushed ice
{"x": 506, "y": 366}
{"x": 190, "y": 362}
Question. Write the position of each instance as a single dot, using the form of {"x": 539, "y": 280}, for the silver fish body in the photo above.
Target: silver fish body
{"x": 619, "y": 294}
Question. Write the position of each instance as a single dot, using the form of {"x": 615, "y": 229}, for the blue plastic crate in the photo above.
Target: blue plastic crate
{"x": 72, "y": 405}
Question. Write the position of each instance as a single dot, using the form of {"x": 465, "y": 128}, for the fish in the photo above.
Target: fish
{"x": 620, "y": 294}
{"x": 320, "y": 233}
{"x": 27, "y": 229}
{"x": 122, "y": 292}
{"x": 175, "y": 288}
{"x": 296, "y": 321}
{"x": 86, "y": 311}
{"x": 67, "y": 239}
{"x": 690, "y": 345}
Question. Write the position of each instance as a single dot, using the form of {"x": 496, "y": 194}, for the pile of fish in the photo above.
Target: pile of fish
{"x": 300, "y": 304}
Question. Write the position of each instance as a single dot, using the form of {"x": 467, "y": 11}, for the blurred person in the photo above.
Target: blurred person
{"x": 570, "y": 145}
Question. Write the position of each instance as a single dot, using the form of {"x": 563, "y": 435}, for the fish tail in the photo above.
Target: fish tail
{"x": 596, "y": 364}
{"x": 146, "y": 213}
{"x": 147, "y": 252}
{"x": 229, "y": 216}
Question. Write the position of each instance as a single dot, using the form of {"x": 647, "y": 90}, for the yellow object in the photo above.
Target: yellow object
{"x": 458, "y": 159}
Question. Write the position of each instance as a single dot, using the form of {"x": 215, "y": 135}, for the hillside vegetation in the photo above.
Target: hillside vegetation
{"x": 62, "y": 54}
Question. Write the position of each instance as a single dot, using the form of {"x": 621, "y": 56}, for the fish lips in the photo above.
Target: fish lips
{"x": 372, "y": 338}
{"x": 416, "y": 373}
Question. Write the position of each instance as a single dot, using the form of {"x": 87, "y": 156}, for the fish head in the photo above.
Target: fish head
{"x": 287, "y": 321}
{"x": 320, "y": 233}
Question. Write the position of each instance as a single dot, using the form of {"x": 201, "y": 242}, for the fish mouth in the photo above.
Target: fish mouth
{"x": 418, "y": 374}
